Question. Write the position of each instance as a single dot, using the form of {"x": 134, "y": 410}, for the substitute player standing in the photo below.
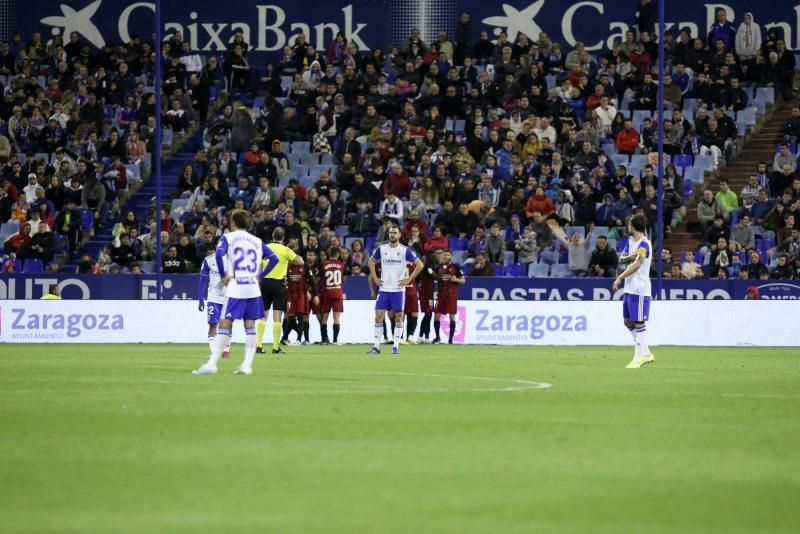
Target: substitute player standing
{"x": 333, "y": 276}
{"x": 273, "y": 290}
{"x": 244, "y": 253}
{"x": 449, "y": 276}
{"x": 638, "y": 252}
{"x": 394, "y": 259}
{"x": 211, "y": 284}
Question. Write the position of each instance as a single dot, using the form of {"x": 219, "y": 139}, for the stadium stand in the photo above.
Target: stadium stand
{"x": 412, "y": 138}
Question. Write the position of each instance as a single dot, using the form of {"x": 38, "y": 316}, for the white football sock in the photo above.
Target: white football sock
{"x": 398, "y": 334}
{"x": 378, "y": 334}
{"x": 249, "y": 347}
{"x": 222, "y": 339}
{"x": 643, "y": 347}
{"x": 211, "y": 343}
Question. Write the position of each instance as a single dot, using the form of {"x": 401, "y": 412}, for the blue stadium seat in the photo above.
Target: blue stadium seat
{"x": 311, "y": 159}
{"x": 688, "y": 189}
{"x": 499, "y": 270}
{"x": 458, "y": 243}
{"x": 693, "y": 174}
{"x": 303, "y": 147}
{"x": 704, "y": 162}
{"x": 747, "y": 116}
{"x": 369, "y": 244}
{"x": 466, "y": 270}
{"x": 620, "y": 159}
{"x": 538, "y": 270}
{"x": 560, "y": 270}
{"x": 458, "y": 256}
{"x": 32, "y": 266}
{"x": 326, "y": 159}
{"x": 572, "y": 230}
{"x": 299, "y": 170}
{"x": 515, "y": 269}
{"x": 682, "y": 160}
{"x": 640, "y": 160}
{"x": 459, "y": 126}
{"x": 508, "y": 257}
{"x": 548, "y": 256}
{"x": 765, "y": 94}
{"x": 87, "y": 219}
{"x": 342, "y": 230}
{"x": 147, "y": 266}
{"x": 308, "y": 181}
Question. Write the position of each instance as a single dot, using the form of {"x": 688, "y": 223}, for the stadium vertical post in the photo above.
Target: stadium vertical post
{"x": 157, "y": 148}
{"x": 660, "y": 169}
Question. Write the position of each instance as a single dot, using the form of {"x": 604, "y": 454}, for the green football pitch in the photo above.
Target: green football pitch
{"x": 122, "y": 438}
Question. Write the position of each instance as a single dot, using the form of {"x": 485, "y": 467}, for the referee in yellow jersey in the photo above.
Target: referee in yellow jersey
{"x": 273, "y": 291}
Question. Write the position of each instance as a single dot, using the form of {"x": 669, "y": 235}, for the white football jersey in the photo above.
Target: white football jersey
{"x": 216, "y": 291}
{"x": 394, "y": 261}
{"x": 243, "y": 252}
{"x": 639, "y": 282}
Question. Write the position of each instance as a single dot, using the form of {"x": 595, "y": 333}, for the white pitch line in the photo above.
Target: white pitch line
{"x": 519, "y": 384}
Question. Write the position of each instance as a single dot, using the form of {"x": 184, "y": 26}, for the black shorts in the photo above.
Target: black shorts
{"x": 273, "y": 293}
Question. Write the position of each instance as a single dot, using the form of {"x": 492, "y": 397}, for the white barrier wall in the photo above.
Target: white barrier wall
{"x": 692, "y": 323}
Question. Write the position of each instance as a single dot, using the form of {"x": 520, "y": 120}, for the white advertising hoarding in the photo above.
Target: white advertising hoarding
{"x": 691, "y": 323}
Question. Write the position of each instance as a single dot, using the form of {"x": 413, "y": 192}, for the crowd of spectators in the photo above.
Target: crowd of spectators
{"x": 506, "y": 152}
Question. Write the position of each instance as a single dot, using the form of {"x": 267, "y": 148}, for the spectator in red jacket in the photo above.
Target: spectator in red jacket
{"x": 538, "y": 201}
{"x": 437, "y": 241}
{"x": 14, "y": 242}
{"x": 397, "y": 181}
{"x": 627, "y": 139}
{"x": 412, "y": 222}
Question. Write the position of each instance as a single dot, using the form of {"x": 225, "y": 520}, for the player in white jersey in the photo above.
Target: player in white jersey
{"x": 211, "y": 296}
{"x": 391, "y": 285}
{"x": 244, "y": 253}
{"x": 638, "y": 253}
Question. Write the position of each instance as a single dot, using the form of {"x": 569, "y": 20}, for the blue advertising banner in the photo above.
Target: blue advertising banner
{"x": 267, "y": 27}
{"x": 183, "y": 287}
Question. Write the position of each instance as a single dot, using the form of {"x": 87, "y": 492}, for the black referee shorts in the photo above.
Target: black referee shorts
{"x": 273, "y": 293}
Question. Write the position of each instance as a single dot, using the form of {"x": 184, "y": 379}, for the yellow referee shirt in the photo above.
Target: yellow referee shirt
{"x": 285, "y": 255}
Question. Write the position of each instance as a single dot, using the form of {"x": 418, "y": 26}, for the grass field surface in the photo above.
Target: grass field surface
{"x": 122, "y": 438}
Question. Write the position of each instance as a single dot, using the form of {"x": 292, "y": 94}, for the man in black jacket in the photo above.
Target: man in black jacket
{"x": 604, "y": 259}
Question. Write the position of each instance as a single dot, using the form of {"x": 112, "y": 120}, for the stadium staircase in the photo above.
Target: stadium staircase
{"x": 759, "y": 144}
{"x": 141, "y": 200}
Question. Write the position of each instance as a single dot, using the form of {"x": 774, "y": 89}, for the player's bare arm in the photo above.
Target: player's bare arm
{"x": 632, "y": 268}
{"x": 373, "y": 273}
{"x": 418, "y": 266}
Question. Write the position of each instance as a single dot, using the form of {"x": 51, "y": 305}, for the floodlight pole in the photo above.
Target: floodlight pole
{"x": 660, "y": 172}
{"x": 157, "y": 148}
